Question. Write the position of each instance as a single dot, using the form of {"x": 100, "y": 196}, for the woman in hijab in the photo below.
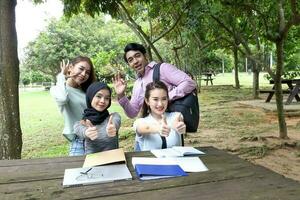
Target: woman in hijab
{"x": 100, "y": 130}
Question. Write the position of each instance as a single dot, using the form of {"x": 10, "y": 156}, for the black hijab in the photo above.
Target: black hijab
{"x": 90, "y": 113}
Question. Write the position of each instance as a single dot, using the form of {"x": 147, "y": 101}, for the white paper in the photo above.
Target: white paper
{"x": 188, "y": 164}
{"x": 176, "y": 151}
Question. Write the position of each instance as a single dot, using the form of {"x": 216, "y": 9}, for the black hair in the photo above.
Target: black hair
{"x": 133, "y": 47}
{"x": 151, "y": 86}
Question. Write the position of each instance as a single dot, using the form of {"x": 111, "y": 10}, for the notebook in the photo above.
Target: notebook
{"x": 188, "y": 164}
{"x": 148, "y": 172}
{"x": 94, "y": 175}
{"x": 105, "y": 157}
{"x": 176, "y": 151}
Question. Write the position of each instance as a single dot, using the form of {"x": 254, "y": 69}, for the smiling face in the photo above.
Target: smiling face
{"x": 80, "y": 72}
{"x": 137, "y": 61}
{"x": 101, "y": 100}
{"x": 158, "y": 102}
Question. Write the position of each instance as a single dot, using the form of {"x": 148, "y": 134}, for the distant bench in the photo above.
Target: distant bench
{"x": 208, "y": 78}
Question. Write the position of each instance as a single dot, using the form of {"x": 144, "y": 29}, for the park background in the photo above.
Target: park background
{"x": 231, "y": 38}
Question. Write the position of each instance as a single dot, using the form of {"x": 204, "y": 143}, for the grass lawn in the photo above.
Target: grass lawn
{"x": 244, "y": 78}
{"x": 42, "y": 123}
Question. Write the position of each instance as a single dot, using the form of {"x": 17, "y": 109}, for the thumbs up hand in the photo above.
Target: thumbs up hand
{"x": 111, "y": 128}
{"x": 91, "y": 131}
{"x": 165, "y": 129}
{"x": 178, "y": 124}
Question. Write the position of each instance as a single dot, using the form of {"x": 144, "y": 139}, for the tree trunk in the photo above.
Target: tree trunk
{"x": 236, "y": 68}
{"x": 255, "y": 90}
{"x": 278, "y": 90}
{"x": 10, "y": 131}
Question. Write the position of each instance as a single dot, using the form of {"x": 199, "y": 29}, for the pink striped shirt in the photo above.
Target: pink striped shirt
{"x": 179, "y": 84}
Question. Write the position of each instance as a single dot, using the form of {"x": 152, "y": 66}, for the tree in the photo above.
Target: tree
{"x": 103, "y": 41}
{"x": 10, "y": 131}
{"x": 276, "y": 20}
{"x": 286, "y": 17}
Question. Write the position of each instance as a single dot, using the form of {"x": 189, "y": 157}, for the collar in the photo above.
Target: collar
{"x": 148, "y": 67}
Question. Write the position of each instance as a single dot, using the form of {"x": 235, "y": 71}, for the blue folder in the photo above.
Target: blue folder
{"x": 145, "y": 172}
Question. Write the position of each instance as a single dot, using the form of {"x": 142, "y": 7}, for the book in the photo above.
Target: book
{"x": 188, "y": 164}
{"x": 176, "y": 151}
{"x": 148, "y": 172}
{"x": 105, "y": 157}
{"x": 95, "y": 175}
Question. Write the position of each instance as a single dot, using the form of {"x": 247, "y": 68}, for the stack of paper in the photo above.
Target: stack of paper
{"x": 100, "y": 174}
{"x": 93, "y": 173}
{"x": 176, "y": 151}
{"x": 188, "y": 164}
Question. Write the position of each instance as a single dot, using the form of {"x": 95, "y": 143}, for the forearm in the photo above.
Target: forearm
{"x": 59, "y": 92}
{"x": 79, "y": 130}
{"x": 146, "y": 128}
{"x": 131, "y": 109}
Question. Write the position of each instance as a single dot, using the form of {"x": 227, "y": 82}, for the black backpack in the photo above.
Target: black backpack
{"x": 187, "y": 105}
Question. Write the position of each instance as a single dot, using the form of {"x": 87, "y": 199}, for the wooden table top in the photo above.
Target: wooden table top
{"x": 229, "y": 177}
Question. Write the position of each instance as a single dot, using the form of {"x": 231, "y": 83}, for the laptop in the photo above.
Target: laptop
{"x": 95, "y": 175}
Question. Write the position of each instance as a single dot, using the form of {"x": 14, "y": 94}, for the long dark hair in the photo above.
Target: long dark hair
{"x": 92, "y": 76}
{"x": 151, "y": 86}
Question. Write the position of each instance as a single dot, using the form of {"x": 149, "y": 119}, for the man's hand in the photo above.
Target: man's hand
{"x": 119, "y": 85}
{"x": 111, "y": 128}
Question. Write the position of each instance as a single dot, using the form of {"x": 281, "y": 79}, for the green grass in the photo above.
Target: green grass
{"x": 42, "y": 124}
{"x": 245, "y": 79}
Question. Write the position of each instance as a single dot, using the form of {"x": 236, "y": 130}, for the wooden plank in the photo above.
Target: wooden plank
{"x": 244, "y": 188}
{"x": 39, "y": 161}
{"x": 273, "y": 91}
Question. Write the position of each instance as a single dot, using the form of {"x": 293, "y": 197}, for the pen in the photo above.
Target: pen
{"x": 86, "y": 171}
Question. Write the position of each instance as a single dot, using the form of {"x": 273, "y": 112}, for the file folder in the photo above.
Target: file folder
{"x": 147, "y": 172}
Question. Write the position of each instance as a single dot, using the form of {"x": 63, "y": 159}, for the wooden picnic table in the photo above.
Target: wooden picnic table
{"x": 293, "y": 90}
{"x": 208, "y": 78}
{"x": 229, "y": 177}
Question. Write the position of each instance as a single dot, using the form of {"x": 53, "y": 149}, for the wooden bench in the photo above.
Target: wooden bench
{"x": 272, "y": 92}
{"x": 208, "y": 79}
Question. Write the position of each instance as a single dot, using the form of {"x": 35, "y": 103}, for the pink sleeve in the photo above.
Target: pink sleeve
{"x": 180, "y": 82}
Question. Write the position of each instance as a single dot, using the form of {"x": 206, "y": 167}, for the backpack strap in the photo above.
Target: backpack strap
{"x": 156, "y": 70}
